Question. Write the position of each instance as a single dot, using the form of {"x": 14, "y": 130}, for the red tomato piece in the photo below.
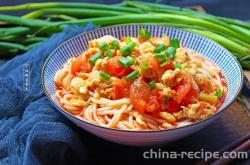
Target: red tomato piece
{"x": 76, "y": 67}
{"x": 169, "y": 66}
{"x": 153, "y": 63}
{"x": 139, "y": 94}
{"x": 153, "y": 104}
{"x": 121, "y": 88}
{"x": 183, "y": 88}
{"x": 192, "y": 94}
{"x": 114, "y": 68}
{"x": 172, "y": 106}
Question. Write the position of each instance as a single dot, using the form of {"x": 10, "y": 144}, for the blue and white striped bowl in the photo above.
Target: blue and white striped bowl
{"x": 212, "y": 50}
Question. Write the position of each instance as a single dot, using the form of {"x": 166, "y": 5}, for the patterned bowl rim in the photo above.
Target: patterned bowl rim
{"x": 135, "y": 131}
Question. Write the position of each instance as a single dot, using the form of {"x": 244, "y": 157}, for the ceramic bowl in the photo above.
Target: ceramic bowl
{"x": 212, "y": 50}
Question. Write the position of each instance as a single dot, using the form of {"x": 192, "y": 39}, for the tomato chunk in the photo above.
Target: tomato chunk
{"x": 169, "y": 66}
{"x": 76, "y": 67}
{"x": 172, "y": 106}
{"x": 121, "y": 88}
{"x": 183, "y": 88}
{"x": 139, "y": 94}
{"x": 152, "y": 105}
{"x": 191, "y": 95}
{"x": 114, "y": 68}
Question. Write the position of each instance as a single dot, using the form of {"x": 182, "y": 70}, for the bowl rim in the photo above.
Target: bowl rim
{"x": 136, "y": 131}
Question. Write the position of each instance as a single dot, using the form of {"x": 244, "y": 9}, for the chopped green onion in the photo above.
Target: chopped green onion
{"x": 160, "y": 55}
{"x": 94, "y": 58}
{"x": 177, "y": 66}
{"x": 114, "y": 45}
{"x": 130, "y": 60}
{"x": 171, "y": 51}
{"x": 124, "y": 62}
{"x": 128, "y": 40}
{"x": 103, "y": 46}
{"x": 152, "y": 85}
{"x": 128, "y": 48}
{"x": 132, "y": 75}
{"x": 144, "y": 33}
{"x": 218, "y": 93}
{"x": 144, "y": 67}
{"x": 145, "y": 62}
{"x": 104, "y": 75}
{"x": 109, "y": 53}
{"x": 163, "y": 63}
{"x": 160, "y": 48}
{"x": 174, "y": 43}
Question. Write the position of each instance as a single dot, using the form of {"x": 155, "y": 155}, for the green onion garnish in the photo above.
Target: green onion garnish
{"x": 94, "y": 58}
{"x": 109, "y": 53}
{"x": 174, "y": 43}
{"x": 103, "y": 46}
{"x": 124, "y": 62}
{"x": 171, "y": 51}
{"x": 163, "y": 63}
{"x": 144, "y": 67}
{"x": 132, "y": 75}
{"x": 128, "y": 48}
{"x": 114, "y": 45}
{"x": 152, "y": 85}
{"x": 177, "y": 66}
{"x": 130, "y": 60}
{"x": 218, "y": 93}
{"x": 128, "y": 40}
{"x": 104, "y": 75}
{"x": 144, "y": 33}
{"x": 160, "y": 48}
{"x": 160, "y": 55}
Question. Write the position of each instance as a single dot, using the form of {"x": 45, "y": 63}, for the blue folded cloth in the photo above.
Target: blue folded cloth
{"x": 31, "y": 130}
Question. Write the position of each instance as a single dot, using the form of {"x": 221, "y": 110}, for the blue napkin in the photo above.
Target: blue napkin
{"x": 31, "y": 130}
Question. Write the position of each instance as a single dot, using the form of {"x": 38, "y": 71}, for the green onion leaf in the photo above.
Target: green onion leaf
{"x": 145, "y": 62}
{"x": 128, "y": 40}
{"x": 109, "y": 53}
{"x": 114, "y": 45}
{"x": 218, "y": 93}
{"x": 177, "y": 66}
{"x": 126, "y": 62}
{"x": 160, "y": 48}
{"x": 152, "y": 85}
{"x": 171, "y": 51}
{"x": 160, "y": 55}
{"x": 128, "y": 48}
{"x": 164, "y": 63}
{"x": 130, "y": 60}
{"x": 132, "y": 75}
{"x": 175, "y": 43}
{"x": 104, "y": 75}
{"x": 144, "y": 67}
{"x": 103, "y": 46}
{"x": 94, "y": 58}
{"x": 144, "y": 33}
{"x": 123, "y": 61}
